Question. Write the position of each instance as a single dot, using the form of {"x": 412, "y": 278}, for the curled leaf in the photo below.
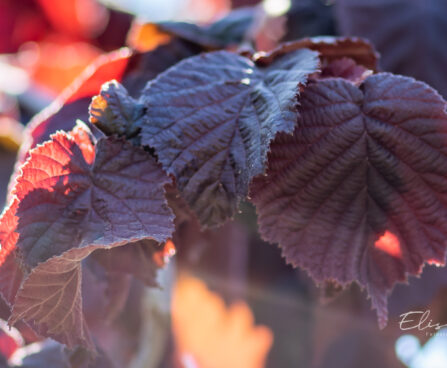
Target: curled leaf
{"x": 115, "y": 112}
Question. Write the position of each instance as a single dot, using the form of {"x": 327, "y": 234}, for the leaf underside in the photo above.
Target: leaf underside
{"x": 359, "y": 191}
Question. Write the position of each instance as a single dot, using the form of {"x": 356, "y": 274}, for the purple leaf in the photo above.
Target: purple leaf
{"x": 51, "y": 297}
{"x": 115, "y": 112}
{"x": 73, "y": 198}
{"x": 211, "y": 118}
{"x": 358, "y": 193}
{"x": 104, "y": 195}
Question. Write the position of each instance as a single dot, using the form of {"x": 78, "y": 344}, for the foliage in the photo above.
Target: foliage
{"x": 346, "y": 165}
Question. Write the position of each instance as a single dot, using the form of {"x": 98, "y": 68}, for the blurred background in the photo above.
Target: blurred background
{"x": 229, "y": 300}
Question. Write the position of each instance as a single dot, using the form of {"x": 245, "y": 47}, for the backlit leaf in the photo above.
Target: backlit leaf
{"x": 115, "y": 112}
{"x": 359, "y": 192}
{"x": 211, "y": 118}
{"x": 72, "y": 198}
{"x": 72, "y": 104}
{"x": 51, "y": 297}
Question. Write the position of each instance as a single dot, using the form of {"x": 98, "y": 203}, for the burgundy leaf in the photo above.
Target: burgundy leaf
{"x": 51, "y": 297}
{"x": 359, "y": 192}
{"x": 408, "y": 34}
{"x": 345, "y": 68}
{"x": 11, "y": 276}
{"x": 330, "y": 49}
{"x": 104, "y": 194}
{"x": 74, "y": 198}
{"x": 211, "y": 118}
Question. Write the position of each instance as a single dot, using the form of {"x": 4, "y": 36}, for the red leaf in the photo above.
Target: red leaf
{"x": 101, "y": 193}
{"x": 72, "y": 198}
{"x": 11, "y": 276}
{"x": 358, "y": 192}
{"x": 8, "y": 238}
{"x": 72, "y": 104}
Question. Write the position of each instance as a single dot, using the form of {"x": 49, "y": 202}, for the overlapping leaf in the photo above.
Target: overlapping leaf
{"x": 359, "y": 191}
{"x": 72, "y": 198}
{"x": 211, "y": 118}
{"x": 71, "y": 105}
{"x": 330, "y": 49}
{"x": 345, "y": 68}
{"x": 134, "y": 69}
{"x": 50, "y": 296}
